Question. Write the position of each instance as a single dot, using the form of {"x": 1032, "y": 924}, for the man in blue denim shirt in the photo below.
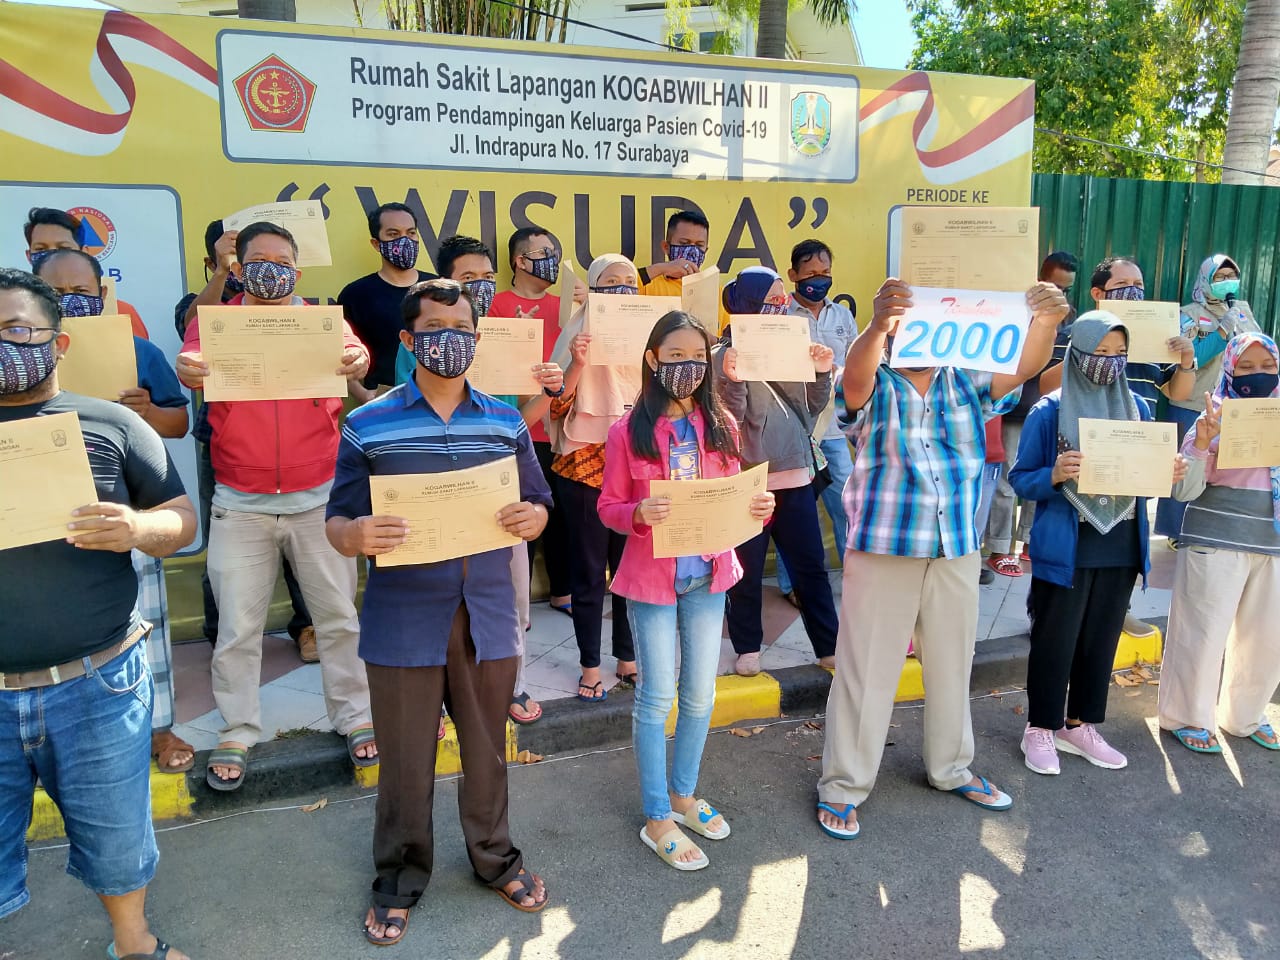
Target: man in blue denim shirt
{"x": 75, "y": 693}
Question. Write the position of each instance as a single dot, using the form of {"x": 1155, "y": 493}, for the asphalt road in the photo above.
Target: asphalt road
{"x": 1174, "y": 857}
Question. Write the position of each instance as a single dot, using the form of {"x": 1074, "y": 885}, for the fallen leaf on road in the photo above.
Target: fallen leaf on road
{"x": 740, "y": 732}
{"x": 1153, "y": 683}
{"x": 813, "y": 725}
{"x": 528, "y": 756}
{"x": 318, "y": 805}
{"x": 757, "y": 729}
{"x": 1143, "y": 672}
{"x": 1124, "y": 680}
{"x": 1019, "y": 710}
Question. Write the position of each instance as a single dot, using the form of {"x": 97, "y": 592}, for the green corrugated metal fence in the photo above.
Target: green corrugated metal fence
{"x": 1170, "y": 228}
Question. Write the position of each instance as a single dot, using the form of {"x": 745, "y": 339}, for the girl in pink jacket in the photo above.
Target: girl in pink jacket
{"x": 677, "y": 430}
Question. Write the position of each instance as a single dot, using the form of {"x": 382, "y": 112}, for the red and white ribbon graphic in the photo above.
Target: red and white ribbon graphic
{"x": 997, "y": 139}
{"x": 35, "y": 112}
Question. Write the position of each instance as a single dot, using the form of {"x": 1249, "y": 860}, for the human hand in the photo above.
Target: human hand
{"x": 892, "y": 300}
{"x": 730, "y": 364}
{"x": 823, "y": 357}
{"x": 374, "y": 536}
{"x": 524, "y": 520}
{"x": 1067, "y": 467}
{"x": 355, "y": 363}
{"x": 1048, "y": 304}
{"x": 1209, "y": 426}
{"x": 578, "y": 348}
{"x": 224, "y": 251}
{"x": 548, "y": 376}
{"x": 138, "y": 400}
{"x": 1179, "y": 468}
{"x": 104, "y": 526}
{"x": 762, "y": 506}
{"x": 192, "y": 370}
{"x": 652, "y": 511}
{"x": 1183, "y": 346}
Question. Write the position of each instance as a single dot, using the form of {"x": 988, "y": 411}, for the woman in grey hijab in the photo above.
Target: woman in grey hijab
{"x": 1086, "y": 551}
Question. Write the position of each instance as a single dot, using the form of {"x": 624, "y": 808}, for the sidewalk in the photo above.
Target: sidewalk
{"x": 292, "y": 699}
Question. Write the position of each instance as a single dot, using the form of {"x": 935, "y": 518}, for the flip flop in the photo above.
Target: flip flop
{"x": 699, "y": 815}
{"x": 1265, "y": 730}
{"x": 968, "y": 792}
{"x": 383, "y": 916}
{"x": 843, "y": 814}
{"x": 1006, "y": 566}
{"x": 565, "y": 608}
{"x": 159, "y": 953}
{"x": 526, "y": 889}
{"x": 170, "y": 745}
{"x": 627, "y": 681}
{"x": 1186, "y": 734}
{"x": 522, "y": 702}
{"x": 236, "y": 757}
{"x": 674, "y": 843}
{"x": 598, "y": 686}
{"x": 359, "y": 737}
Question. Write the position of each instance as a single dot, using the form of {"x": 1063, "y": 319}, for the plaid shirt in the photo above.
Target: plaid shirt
{"x": 917, "y": 474}
{"x": 153, "y": 608}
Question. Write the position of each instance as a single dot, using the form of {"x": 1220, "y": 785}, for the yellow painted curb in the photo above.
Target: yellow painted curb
{"x": 170, "y": 800}
{"x": 1132, "y": 650}
{"x": 448, "y": 756}
{"x": 740, "y": 698}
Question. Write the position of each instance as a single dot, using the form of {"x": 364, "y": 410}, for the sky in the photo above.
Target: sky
{"x": 884, "y": 33}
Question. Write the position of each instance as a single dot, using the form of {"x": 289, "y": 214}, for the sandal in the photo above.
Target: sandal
{"x": 598, "y": 691}
{"x": 1264, "y": 730}
{"x": 159, "y": 953}
{"x": 522, "y": 702}
{"x": 565, "y": 608}
{"x": 672, "y": 844}
{"x": 527, "y": 888}
{"x": 357, "y": 738}
{"x": 699, "y": 815}
{"x": 1005, "y": 565}
{"x": 627, "y": 681}
{"x": 234, "y": 757}
{"x": 165, "y": 745}
{"x": 840, "y": 833}
{"x": 1185, "y": 735}
{"x": 383, "y": 916}
{"x": 971, "y": 793}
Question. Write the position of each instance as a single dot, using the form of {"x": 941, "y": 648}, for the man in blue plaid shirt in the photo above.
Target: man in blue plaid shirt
{"x": 913, "y": 555}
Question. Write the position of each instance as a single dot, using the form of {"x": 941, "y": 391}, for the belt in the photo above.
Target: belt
{"x": 72, "y": 669}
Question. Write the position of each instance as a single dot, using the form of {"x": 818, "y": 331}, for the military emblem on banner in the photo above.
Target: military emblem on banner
{"x": 275, "y": 96}
{"x": 810, "y": 123}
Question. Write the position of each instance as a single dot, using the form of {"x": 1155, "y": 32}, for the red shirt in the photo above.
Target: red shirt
{"x": 548, "y": 307}
{"x": 995, "y": 440}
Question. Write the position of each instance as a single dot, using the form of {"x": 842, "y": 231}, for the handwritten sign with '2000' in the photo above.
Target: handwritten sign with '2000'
{"x": 962, "y": 328}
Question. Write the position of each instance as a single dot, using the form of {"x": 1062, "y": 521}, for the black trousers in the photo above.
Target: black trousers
{"x": 301, "y": 618}
{"x": 406, "y": 708}
{"x": 592, "y": 547}
{"x": 555, "y": 537}
{"x": 1074, "y": 634}
{"x": 795, "y": 530}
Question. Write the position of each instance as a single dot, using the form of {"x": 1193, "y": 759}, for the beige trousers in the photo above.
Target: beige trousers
{"x": 1222, "y": 624}
{"x": 885, "y": 600}
{"x": 244, "y": 558}
{"x": 520, "y": 580}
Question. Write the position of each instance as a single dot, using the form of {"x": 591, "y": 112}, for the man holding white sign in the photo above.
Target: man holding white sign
{"x": 443, "y": 633}
{"x": 911, "y": 567}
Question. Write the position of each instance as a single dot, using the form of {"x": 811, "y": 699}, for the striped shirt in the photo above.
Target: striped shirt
{"x": 917, "y": 473}
{"x": 1226, "y": 509}
{"x": 408, "y": 610}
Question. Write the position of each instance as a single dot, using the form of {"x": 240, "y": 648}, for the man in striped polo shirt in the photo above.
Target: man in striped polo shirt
{"x": 912, "y": 557}
{"x": 436, "y": 634}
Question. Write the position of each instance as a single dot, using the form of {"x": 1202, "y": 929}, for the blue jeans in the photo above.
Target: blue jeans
{"x": 693, "y": 625}
{"x": 990, "y": 481}
{"x": 840, "y": 463}
{"x": 89, "y": 742}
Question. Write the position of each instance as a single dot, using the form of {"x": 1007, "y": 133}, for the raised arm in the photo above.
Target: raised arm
{"x": 865, "y": 353}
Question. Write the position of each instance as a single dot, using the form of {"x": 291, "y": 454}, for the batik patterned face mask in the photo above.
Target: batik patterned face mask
{"x": 446, "y": 353}
{"x": 681, "y": 378}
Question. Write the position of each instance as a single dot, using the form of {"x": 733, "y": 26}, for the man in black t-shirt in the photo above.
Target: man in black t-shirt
{"x": 75, "y": 692}
{"x": 372, "y": 304}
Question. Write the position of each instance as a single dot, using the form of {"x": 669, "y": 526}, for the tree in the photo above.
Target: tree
{"x": 771, "y": 22}
{"x": 1256, "y": 89}
{"x": 520, "y": 20}
{"x": 1138, "y": 74}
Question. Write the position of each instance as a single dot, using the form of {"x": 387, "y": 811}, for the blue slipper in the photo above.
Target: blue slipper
{"x": 1186, "y": 734}
{"x": 843, "y": 814}
{"x": 600, "y": 692}
{"x": 1264, "y": 730}
{"x": 565, "y": 608}
{"x": 968, "y": 792}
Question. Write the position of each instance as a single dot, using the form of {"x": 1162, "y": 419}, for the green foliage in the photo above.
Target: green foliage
{"x": 1153, "y": 75}
{"x": 530, "y": 20}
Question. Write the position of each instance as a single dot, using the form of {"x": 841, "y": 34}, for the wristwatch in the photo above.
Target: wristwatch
{"x": 556, "y": 395}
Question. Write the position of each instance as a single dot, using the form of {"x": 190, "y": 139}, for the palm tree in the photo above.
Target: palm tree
{"x": 771, "y": 26}
{"x": 1255, "y": 91}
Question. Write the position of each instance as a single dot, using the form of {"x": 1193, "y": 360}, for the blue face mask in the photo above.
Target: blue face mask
{"x": 1254, "y": 386}
{"x": 687, "y": 251}
{"x": 814, "y": 289}
{"x": 80, "y": 305}
{"x": 38, "y": 257}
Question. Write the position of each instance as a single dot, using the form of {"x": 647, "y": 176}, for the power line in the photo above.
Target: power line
{"x": 1145, "y": 153}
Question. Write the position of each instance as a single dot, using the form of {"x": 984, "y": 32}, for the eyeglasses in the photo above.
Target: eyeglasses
{"x": 541, "y": 254}
{"x": 26, "y": 334}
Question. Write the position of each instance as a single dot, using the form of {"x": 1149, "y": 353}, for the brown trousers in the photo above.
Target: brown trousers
{"x": 406, "y": 705}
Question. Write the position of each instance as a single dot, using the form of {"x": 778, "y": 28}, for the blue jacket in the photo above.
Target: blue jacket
{"x": 1057, "y": 524}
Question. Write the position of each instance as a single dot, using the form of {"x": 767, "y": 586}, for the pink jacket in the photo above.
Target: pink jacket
{"x": 640, "y": 576}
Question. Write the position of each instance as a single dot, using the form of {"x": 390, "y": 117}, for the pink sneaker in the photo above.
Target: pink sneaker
{"x": 1085, "y": 741}
{"x": 1037, "y": 747}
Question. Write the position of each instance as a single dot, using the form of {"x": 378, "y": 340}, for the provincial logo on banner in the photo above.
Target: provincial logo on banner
{"x": 810, "y": 123}
{"x": 275, "y": 96}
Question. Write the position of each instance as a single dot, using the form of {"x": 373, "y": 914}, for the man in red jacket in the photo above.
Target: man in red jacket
{"x": 274, "y": 463}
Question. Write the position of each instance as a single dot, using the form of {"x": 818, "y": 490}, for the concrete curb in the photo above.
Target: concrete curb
{"x": 309, "y": 765}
